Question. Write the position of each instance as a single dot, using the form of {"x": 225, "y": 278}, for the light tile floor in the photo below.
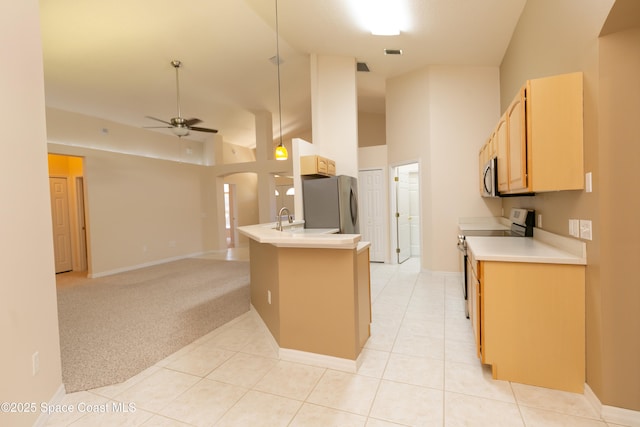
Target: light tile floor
{"x": 419, "y": 369}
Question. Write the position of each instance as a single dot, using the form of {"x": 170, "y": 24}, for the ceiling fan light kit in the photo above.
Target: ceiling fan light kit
{"x": 179, "y": 125}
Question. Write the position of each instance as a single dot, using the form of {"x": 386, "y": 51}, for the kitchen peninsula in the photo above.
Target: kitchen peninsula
{"x": 311, "y": 287}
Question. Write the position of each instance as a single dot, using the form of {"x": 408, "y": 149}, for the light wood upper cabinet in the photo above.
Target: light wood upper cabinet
{"x": 555, "y": 133}
{"x": 502, "y": 154}
{"x": 317, "y": 165}
{"x": 517, "y": 144}
{"x": 539, "y": 139}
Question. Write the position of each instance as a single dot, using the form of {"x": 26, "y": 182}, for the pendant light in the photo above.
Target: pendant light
{"x": 281, "y": 151}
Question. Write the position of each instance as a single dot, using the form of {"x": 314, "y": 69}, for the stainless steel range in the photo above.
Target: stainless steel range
{"x": 522, "y": 224}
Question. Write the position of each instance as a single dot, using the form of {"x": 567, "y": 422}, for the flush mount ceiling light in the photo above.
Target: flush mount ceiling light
{"x": 381, "y": 17}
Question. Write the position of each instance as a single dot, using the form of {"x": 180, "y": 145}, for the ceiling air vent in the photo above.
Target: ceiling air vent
{"x": 393, "y": 51}
{"x": 362, "y": 66}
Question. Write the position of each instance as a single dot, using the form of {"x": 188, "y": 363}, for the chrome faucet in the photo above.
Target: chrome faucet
{"x": 289, "y": 217}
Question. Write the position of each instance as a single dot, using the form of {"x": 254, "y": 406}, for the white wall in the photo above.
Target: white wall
{"x": 75, "y": 129}
{"x": 153, "y": 197}
{"x": 334, "y": 111}
{"x": 440, "y": 116}
{"x": 372, "y": 129}
{"x": 141, "y": 210}
{"x": 28, "y": 310}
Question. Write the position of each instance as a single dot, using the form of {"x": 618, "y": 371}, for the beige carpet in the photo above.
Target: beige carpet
{"x": 112, "y": 328}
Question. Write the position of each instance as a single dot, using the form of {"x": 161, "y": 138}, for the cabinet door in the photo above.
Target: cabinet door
{"x": 555, "y": 132}
{"x": 517, "y": 138}
{"x": 323, "y": 165}
{"x": 503, "y": 155}
{"x": 331, "y": 167}
{"x": 317, "y": 165}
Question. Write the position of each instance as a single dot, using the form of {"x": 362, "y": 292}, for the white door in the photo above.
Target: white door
{"x": 403, "y": 214}
{"x": 61, "y": 224}
{"x": 414, "y": 212}
{"x": 82, "y": 225}
{"x": 371, "y": 208}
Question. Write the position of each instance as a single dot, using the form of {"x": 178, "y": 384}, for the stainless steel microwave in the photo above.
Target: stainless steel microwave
{"x": 489, "y": 178}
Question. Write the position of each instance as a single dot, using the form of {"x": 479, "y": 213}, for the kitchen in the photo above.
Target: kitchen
{"x": 527, "y": 131}
{"x": 611, "y": 302}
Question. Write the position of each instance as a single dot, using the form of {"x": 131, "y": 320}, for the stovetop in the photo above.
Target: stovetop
{"x": 522, "y": 224}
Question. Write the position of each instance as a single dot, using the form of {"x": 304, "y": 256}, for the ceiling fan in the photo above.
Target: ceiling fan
{"x": 179, "y": 125}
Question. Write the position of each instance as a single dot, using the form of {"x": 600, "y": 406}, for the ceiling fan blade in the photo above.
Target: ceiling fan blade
{"x": 157, "y": 127}
{"x": 159, "y": 120}
{"x": 203, "y": 129}
{"x": 192, "y": 121}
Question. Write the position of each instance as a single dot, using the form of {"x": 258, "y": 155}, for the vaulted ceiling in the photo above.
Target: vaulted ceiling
{"x": 112, "y": 59}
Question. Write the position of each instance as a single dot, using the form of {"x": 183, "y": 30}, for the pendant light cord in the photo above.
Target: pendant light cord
{"x": 278, "y": 70}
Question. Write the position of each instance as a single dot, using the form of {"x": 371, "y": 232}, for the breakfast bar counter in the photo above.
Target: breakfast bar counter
{"x": 311, "y": 288}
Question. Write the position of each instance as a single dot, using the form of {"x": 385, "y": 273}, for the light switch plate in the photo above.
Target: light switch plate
{"x": 585, "y": 229}
{"x": 588, "y": 183}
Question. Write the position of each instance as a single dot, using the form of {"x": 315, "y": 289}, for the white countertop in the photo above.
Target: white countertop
{"x": 295, "y": 236}
{"x": 483, "y": 224}
{"x": 521, "y": 249}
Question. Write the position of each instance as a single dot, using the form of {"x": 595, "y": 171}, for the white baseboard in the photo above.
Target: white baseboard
{"x": 612, "y": 414}
{"x": 55, "y": 400}
{"x": 143, "y": 265}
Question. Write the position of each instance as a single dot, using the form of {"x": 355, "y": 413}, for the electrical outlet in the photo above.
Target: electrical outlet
{"x": 269, "y": 297}
{"x": 574, "y": 228}
{"x": 585, "y": 229}
{"x": 35, "y": 362}
{"x": 539, "y": 224}
{"x": 588, "y": 182}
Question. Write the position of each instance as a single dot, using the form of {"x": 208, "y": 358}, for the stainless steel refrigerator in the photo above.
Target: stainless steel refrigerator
{"x": 331, "y": 203}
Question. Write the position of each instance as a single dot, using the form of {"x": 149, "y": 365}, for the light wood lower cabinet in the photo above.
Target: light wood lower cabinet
{"x": 529, "y": 322}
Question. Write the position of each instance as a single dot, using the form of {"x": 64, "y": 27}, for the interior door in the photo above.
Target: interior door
{"x": 81, "y": 224}
{"x": 371, "y": 191}
{"x": 403, "y": 214}
{"x": 414, "y": 212}
{"x": 61, "y": 224}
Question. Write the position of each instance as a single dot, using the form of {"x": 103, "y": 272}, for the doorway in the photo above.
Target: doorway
{"x": 407, "y": 211}
{"x": 68, "y": 212}
{"x": 230, "y": 218}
